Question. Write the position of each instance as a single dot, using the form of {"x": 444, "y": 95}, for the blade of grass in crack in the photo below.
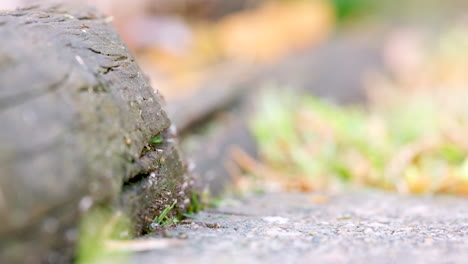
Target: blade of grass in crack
{"x": 164, "y": 213}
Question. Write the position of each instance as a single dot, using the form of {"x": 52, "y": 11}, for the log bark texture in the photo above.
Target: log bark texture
{"x": 76, "y": 116}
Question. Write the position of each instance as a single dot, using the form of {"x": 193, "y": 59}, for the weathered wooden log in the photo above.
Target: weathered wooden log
{"x": 76, "y": 118}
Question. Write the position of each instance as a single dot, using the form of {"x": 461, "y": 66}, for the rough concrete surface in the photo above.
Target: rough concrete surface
{"x": 369, "y": 227}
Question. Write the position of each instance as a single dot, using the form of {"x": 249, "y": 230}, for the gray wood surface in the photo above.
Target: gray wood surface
{"x": 76, "y": 113}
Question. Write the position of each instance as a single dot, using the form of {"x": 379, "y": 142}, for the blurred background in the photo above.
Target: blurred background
{"x": 309, "y": 94}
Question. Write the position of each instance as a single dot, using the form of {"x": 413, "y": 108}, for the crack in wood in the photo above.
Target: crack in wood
{"x": 99, "y": 88}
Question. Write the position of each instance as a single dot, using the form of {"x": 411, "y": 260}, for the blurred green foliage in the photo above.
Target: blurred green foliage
{"x": 352, "y": 9}
{"x": 96, "y": 227}
{"x": 309, "y": 140}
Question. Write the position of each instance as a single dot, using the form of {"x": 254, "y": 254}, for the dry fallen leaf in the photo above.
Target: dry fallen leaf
{"x": 263, "y": 34}
{"x": 274, "y": 29}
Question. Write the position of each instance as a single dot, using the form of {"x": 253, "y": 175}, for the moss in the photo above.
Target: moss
{"x": 158, "y": 139}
